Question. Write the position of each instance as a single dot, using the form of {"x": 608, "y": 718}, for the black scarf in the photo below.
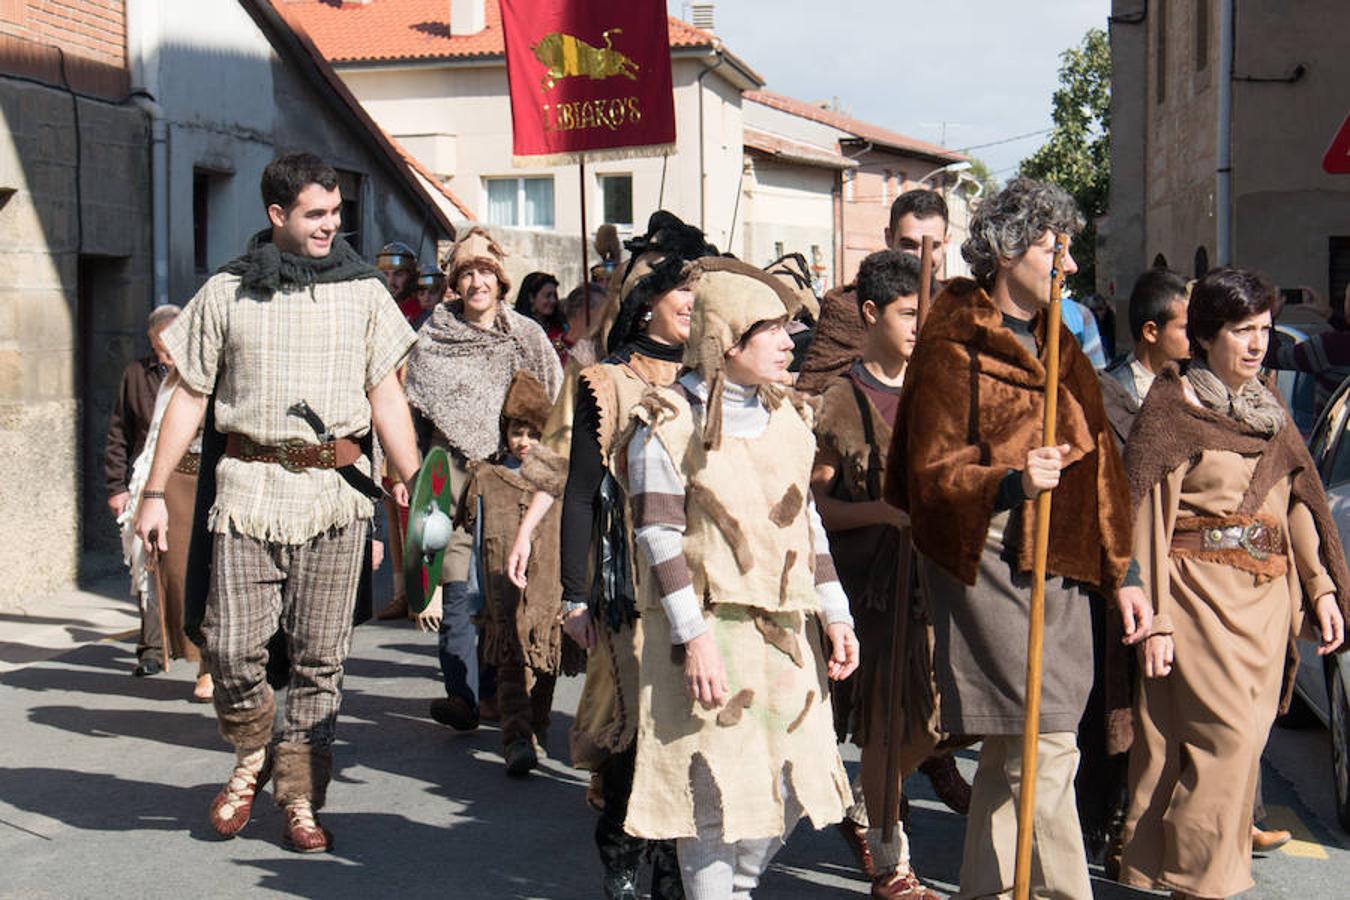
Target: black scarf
{"x": 266, "y": 268}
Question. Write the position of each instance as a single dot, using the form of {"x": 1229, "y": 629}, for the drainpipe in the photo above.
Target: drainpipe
{"x": 143, "y": 37}
{"x": 1223, "y": 182}
{"x": 702, "y": 151}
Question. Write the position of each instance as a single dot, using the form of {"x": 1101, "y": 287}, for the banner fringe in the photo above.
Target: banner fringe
{"x": 572, "y": 158}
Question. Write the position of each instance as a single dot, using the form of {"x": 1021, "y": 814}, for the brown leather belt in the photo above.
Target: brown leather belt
{"x": 295, "y": 457}
{"x": 190, "y": 464}
{"x": 1259, "y": 536}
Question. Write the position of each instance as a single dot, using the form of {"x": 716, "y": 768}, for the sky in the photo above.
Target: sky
{"x": 987, "y": 68}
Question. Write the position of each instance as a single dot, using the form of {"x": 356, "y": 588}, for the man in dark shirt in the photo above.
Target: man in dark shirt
{"x": 126, "y": 437}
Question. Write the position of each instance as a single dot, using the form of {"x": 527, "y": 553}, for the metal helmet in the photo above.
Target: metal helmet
{"x": 430, "y": 276}
{"x": 396, "y": 255}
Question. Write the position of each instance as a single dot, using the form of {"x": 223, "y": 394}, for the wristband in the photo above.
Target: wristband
{"x": 152, "y": 495}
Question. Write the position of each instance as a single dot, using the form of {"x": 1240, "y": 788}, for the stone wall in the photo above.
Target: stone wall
{"x": 74, "y": 293}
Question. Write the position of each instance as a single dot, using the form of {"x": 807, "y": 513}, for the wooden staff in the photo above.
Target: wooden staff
{"x": 895, "y": 719}
{"x": 1031, "y": 729}
{"x": 585, "y": 242}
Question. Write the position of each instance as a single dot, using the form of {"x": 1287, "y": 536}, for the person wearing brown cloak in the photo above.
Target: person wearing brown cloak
{"x": 966, "y": 462}
{"x": 1241, "y": 556}
{"x": 521, "y": 634}
{"x": 853, "y": 431}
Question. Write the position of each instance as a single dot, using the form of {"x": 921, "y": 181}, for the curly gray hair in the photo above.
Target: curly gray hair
{"x": 1009, "y": 222}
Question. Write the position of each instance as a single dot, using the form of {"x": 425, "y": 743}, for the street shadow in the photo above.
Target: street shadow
{"x": 106, "y": 679}
{"x": 186, "y": 729}
{"x": 96, "y": 802}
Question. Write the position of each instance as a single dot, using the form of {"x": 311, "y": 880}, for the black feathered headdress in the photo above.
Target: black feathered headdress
{"x": 660, "y": 261}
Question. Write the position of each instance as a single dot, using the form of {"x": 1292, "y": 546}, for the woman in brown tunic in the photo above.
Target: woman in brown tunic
{"x": 1239, "y": 553}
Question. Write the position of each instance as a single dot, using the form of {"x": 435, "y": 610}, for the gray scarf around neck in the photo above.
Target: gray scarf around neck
{"x": 1253, "y": 405}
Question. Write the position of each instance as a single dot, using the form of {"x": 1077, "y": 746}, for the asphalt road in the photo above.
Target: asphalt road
{"x": 105, "y": 781}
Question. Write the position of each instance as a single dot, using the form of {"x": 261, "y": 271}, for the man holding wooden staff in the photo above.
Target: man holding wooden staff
{"x": 966, "y": 462}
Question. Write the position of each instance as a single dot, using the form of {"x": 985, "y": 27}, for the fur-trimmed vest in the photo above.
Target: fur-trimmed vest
{"x": 970, "y": 411}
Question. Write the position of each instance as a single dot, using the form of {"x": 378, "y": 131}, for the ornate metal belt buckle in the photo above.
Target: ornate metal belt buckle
{"x": 1249, "y": 536}
{"x": 286, "y": 458}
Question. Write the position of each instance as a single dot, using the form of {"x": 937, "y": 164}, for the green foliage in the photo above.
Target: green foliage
{"x": 1077, "y": 155}
{"x": 979, "y": 172}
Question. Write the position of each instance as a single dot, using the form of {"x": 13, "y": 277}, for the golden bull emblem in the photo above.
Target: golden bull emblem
{"x": 567, "y": 56}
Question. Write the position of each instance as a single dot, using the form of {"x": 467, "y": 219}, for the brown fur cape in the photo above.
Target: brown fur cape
{"x": 1170, "y": 431}
{"x": 970, "y": 411}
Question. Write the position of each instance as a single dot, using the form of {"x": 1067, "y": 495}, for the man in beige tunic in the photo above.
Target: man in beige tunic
{"x": 296, "y": 334}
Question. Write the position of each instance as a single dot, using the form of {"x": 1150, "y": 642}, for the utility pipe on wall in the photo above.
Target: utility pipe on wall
{"x": 1223, "y": 180}
{"x": 143, "y": 38}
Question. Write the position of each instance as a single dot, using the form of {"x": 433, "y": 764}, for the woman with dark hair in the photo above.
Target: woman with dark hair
{"x": 538, "y": 300}
{"x": 646, "y": 345}
{"x": 1240, "y": 555}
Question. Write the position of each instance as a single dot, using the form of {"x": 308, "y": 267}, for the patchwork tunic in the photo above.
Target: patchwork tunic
{"x": 737, "y": 550}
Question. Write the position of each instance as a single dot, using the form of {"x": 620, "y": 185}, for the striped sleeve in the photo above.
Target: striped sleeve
{"x": 829, "y": 592}
{"x": 656, "y": 496}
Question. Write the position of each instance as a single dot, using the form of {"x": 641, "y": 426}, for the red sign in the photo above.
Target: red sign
{"x": 1337, "y": 159}
{"x": 589, "y": 77}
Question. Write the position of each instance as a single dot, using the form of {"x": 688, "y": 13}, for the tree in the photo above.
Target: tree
{"x": 1077, "y": 155}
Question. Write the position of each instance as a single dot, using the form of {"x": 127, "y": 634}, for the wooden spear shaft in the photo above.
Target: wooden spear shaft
{"x": 895, "y": 719}
{"x": 1031, "y": 730}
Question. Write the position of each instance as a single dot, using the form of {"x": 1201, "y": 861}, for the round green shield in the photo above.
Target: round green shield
{"x": 429, "y": 500}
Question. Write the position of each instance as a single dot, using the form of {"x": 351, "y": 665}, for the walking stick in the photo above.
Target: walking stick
{"x": 895, "y": 732}
{"x": 1026, "y": 805}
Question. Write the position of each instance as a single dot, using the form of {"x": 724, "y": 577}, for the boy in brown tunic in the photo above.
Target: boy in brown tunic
{"x": 853, "y": 430}
{"x": 522, "y": 635}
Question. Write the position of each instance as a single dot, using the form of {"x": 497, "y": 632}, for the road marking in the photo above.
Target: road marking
{"x": 1304, "y": 845}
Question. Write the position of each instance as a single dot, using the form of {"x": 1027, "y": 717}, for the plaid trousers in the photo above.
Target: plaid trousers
{"x": 308, "y": 591}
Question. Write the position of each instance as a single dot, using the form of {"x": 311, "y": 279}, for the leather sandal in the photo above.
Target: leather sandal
{"x": 303, "y": 832}
{"x": 901, "y": 886}
{"x": 233, "y": 806}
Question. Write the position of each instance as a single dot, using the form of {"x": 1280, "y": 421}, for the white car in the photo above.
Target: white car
{"x": 1323, "y": 683}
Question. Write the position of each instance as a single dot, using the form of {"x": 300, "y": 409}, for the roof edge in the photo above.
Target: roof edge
{"x": 325, "y": 79}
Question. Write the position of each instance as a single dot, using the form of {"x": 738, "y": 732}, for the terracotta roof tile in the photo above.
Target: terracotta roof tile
{"x": 856, "y": 127}
{"x": 391, "y": 30}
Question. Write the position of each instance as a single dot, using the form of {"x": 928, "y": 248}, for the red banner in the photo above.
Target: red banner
{"x": 588, "y": 77}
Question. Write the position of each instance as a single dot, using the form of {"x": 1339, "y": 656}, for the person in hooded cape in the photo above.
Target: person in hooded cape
{"x": 735, "y": 737}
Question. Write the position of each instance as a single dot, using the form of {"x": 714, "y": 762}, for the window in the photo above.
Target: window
{"x": 1160, "y": 57}
{"x": 520, "y": 202}
{"x": 211, "y": 200}
{"x": 886, "y": 177}
{"x": 201, "y": 213}
{"x": 616, "y": 195}
{"x": 1201, "y": 35}
{"x": 349, "y": 183}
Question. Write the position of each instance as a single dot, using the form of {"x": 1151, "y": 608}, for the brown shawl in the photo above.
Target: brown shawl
{"x": 970, "y": 411}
